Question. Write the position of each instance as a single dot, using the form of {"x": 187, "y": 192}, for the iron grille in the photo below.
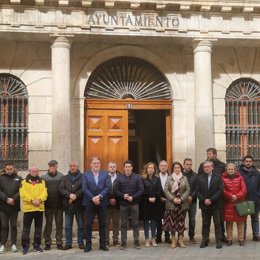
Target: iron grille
{"x": 13, "y": 121}
{"x": 127, "y": 77}
{"x": 243, "y": 120}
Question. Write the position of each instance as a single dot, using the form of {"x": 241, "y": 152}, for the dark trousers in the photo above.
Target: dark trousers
{"x": 206, "y": 221}
{"x": 192, "y": 219}
{"x": 28, "y": 218}
{"x": 7, "y": 218}
{"x": 125, "y": 212}
{"x": 91, "y": 212}
{"x": 69, "y": 217}
{"x": 57, "y": 214}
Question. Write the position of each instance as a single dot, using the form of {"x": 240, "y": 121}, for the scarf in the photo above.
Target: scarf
{"x": 177, "y": 179}
{"x": 32, "y": 179}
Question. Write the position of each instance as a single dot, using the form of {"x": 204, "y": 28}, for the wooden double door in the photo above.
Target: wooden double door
{"x": 107, "y": 128}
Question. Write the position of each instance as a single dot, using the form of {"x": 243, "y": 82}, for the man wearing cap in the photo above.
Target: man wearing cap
{"x": 53, "y": 205}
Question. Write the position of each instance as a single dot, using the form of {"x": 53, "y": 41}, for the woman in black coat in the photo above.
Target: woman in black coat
{"x": 151, "y": 202}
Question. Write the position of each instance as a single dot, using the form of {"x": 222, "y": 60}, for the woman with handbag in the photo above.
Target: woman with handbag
{"x": 234, "y": 192}
{"x": 177, "y": 191}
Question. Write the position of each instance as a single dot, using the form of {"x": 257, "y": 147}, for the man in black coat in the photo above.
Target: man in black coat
{"x": 71, "y": 190}
{"x": 252, "y": 180}
{"x": 10, "y": 184}
{"x": 53, "y": 205}
{"x": 219, "y": 168}
{"x": 209, "y": 189}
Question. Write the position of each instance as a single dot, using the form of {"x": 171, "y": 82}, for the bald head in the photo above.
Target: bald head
{"x": 34, "y": 171}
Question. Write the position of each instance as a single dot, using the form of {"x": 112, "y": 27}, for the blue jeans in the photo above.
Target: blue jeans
{"x": 90, "y": 213}
{"x": 69, "y": 217}
{"x": 192, "y": 217}
{"x": 148, "y": 223}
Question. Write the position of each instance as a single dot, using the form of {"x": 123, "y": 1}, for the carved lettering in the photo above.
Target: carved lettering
{"x": 129, "y": 20}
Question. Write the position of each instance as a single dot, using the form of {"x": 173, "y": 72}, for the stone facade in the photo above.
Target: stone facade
{"x": 200, "y": 46}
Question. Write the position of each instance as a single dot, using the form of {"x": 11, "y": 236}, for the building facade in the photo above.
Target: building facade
{"x": 145, "y": 80}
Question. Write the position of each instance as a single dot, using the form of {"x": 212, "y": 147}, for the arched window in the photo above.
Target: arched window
{"x": 243, "y": 120}
{"x": 13, "y": 121}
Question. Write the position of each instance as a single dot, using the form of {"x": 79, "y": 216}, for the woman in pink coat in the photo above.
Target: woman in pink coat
{"x": 234, "y": 192}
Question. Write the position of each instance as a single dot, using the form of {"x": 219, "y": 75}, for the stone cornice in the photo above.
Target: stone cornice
{"x": 228, "y": 6}
{"x": 46, "y": 20}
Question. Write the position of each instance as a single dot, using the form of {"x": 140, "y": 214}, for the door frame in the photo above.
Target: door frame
{"x": 131, "y": 104}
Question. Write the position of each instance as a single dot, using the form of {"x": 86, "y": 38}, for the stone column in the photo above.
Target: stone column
{"x": 204, "y": 137}
{"x": 61, "y": 138}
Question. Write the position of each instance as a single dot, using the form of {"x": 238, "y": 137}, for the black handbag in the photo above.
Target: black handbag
{"x": 245, "y": 208}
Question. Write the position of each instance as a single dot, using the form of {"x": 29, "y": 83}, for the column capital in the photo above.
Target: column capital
{"x": 61, "y": 41}
{"x": 202, "y": 46}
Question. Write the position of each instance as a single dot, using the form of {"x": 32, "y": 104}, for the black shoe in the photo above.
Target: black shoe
{"x": 224, "y": 239}
{"x": 158, "y": 240}
{"x": 81, "y": 246}
{"x": 37, "y": 249}
{"x": 168, "y": 240}
{"x": 116, "y": 243}
{"x": 104, "y": 248}
{"x": 67, "y": 247}
{"x": 25, "y": 250}
{"x": 229, "y": 242}
{"x": 87, "y": 249}
{"x": 47, "y": 247}
{"x": 203, "y": 244}
{"x": 123, "y": 246}
{"x": 255, "y": 238}
{"x": 218, "y": 245}
{"x": 137, "y": 245}
{"x": 59, "y": 247}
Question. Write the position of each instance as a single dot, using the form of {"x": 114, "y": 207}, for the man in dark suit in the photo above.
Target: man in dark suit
{"x": 95, "y": 187}
{"x": 209, "y": 191}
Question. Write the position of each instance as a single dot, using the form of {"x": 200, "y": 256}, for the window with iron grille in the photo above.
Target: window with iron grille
{"x": 243, "y": 120}
{"x": 13, "y": 121}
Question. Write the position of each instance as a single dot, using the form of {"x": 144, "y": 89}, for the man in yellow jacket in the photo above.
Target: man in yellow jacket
{"x": 33, "y": 193}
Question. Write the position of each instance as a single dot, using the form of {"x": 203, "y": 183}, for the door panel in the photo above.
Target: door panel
{"x": 106, "y": 136}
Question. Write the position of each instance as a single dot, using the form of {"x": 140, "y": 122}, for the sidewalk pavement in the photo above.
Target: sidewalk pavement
{"x": 250, "y": 251}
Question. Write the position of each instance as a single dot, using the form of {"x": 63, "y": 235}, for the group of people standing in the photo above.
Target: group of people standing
{"x": 161, "y": 198}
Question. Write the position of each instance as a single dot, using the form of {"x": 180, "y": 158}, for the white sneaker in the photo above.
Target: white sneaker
{"x": 2, "y": 249}
{"x": 14, "y": 248}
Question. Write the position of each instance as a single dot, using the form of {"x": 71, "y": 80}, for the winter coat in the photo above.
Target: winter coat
{"x": 252, "y": 181}
{"x": 192, "y": 182}
{"x": 219, "y": 167}
{"x": 52, "y": 183}
{"x": 131, "y": 185}
{"x": 111, "y": 193}
{"x": 214, "y": 192}
{"x": 71, "y": 184}
{"x": 30, "y": 191}
{"x": 184, "y": 191}
{"x": 9, "y": 188}
{"x": 233, "y": 186}
{"x": 152, "y": 188}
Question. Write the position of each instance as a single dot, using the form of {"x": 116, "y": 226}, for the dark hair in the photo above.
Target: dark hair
{"x": 177, "y": 163}
{"x": 213, "y": 150}
{"x": 9, "y": 164}
{"x": 129, "y": 162}
{"x": 187, "y": 159}
{"x": 248, "y": 157}
{"x": 154, "y": 166}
